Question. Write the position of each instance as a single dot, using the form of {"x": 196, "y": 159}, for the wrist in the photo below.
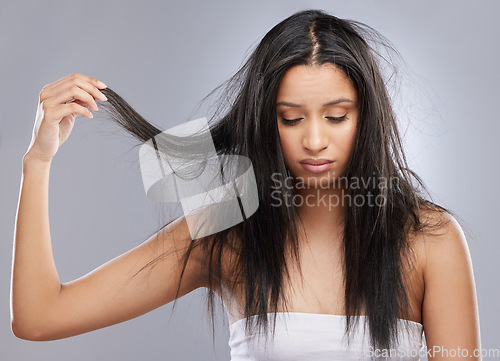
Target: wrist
{"x": 31, "y": 160}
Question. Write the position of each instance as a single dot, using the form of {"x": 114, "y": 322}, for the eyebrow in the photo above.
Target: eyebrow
{"x": 333, "y": 102}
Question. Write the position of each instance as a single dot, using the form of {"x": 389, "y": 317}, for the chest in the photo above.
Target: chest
{"x": 316, "y": 284}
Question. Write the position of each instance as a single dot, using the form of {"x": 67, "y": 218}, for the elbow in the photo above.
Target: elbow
{"x": 19, "y": 333}
{"x": 26, "y": 333}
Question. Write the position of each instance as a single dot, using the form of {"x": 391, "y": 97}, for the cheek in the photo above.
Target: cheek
{"x": 288, "y": 145}
{"x": 346, "y": 140}
{"x": 284, "y": 140}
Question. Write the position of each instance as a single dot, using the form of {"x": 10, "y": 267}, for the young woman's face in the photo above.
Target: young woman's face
{"x": 321, "y": 103}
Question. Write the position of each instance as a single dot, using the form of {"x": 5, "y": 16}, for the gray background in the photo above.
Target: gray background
{"x": 164, "y": 57}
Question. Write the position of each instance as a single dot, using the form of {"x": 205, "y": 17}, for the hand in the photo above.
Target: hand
{"x": 59, "y": 104}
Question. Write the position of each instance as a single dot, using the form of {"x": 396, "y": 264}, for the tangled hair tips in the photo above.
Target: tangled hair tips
{"x": 375, "y": 239}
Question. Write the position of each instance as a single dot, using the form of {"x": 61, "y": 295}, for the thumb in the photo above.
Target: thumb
{"x": 65, "y": 127}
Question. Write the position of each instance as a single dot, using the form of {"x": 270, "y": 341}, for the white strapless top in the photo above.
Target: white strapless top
{"x": 318, "y": 337}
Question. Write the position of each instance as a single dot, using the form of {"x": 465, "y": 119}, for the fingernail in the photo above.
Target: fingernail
{"x": 104, "y": 97}
{"x": 101, "y": 84}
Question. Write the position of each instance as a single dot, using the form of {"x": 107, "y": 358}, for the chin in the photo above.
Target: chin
{"x": 311, "y": 180}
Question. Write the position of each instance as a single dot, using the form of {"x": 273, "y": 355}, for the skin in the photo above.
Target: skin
{"x": 42, "y": 308}
{"x": 316, "y": 136}
{"x": 442, "y": 289}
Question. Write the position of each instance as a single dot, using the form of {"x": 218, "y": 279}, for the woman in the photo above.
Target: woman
{"x": 341, "y": 236}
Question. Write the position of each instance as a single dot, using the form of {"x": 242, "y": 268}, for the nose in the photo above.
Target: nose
{"x": 315, "y": 138}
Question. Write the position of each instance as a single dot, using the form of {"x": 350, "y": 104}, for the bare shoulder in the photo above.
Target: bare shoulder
{"x": 449, "y": 308}
{"x": 441, "y": 239}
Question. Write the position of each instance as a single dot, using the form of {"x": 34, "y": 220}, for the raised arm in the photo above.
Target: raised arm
{"x": 41, "y": 307}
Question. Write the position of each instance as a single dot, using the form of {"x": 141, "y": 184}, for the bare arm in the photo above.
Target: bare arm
{"x": 450, "y": 312}
{"x": 35, "y": 281}
{"x": 44, "y": 309}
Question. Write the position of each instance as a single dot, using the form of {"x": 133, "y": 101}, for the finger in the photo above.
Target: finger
{"x": 73, "y": 92}
{"x": 64, "y": 110}
{"x": 97, "y": 83}
{"x": 57, "y": 82}
{"x": 79, "y": 102}
{"x": 89, "y": 88}
{"x": 72, "y": 78}
{"x": 64, "y": 79}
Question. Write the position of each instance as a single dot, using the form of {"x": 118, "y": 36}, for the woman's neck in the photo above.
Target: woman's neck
{"x": 321, "y": 210}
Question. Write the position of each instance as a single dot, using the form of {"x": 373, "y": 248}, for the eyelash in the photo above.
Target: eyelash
{"x": 333, "y": 119}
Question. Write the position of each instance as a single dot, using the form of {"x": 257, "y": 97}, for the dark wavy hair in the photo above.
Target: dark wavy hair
{"x": 375, "y": 240}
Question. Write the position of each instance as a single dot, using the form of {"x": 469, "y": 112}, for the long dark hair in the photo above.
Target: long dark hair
{"x": 375, "y": 238}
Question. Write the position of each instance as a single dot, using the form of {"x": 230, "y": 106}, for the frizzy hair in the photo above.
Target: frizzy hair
{"x": 375, "y": 242}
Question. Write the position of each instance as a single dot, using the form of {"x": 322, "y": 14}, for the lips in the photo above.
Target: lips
{"x": 316, "y": 165}
{"x": 316, "y": 161}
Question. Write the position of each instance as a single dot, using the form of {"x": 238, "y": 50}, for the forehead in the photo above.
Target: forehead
{"x": 307, "y": 83}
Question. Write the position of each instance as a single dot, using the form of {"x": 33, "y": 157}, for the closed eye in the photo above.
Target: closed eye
{"x": 290, "y": 121}
{"x": 338, "y": 119}
{"x": 296, "y": 120}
